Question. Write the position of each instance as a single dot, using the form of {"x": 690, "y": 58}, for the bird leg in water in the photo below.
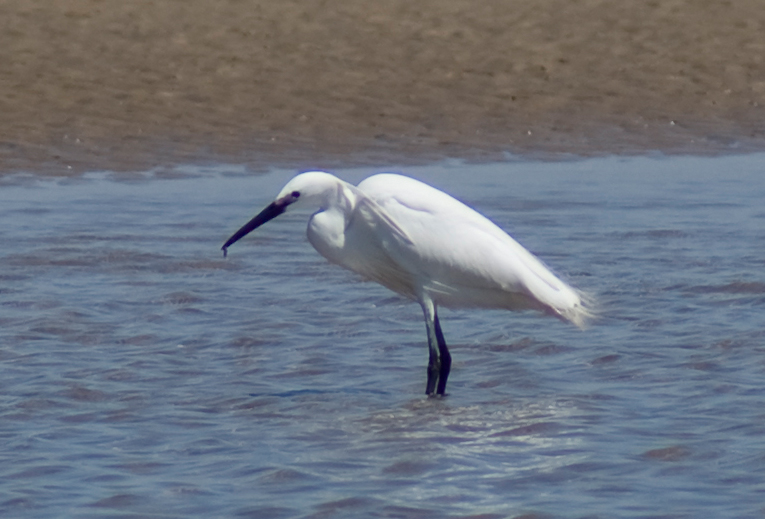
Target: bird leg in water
{"x": 446, "y": 358}
{"x": 434, "y": 367}
{"x": 439, "y": 361}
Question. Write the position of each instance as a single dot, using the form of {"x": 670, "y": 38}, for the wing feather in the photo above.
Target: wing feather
{"x": 462, "y": 257}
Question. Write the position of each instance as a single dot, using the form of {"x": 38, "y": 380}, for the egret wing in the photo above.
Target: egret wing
{"x": 370, "y": 235}
{"x": 462, "y": 258}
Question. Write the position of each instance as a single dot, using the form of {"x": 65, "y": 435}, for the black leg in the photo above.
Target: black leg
{"x": 439, "y": 360}
{"x": 433, "y": 370}
{"x": 434, "y": 365}
{"x": 446, "y": 358}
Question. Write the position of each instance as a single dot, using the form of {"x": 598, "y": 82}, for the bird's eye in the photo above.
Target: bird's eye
{"x": 296, "y": 194}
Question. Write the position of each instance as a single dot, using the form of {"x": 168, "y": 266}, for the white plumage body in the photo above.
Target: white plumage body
{"x": 416, "y": 240}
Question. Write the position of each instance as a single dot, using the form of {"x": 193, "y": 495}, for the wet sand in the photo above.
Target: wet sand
{"x": 103, "y": 84}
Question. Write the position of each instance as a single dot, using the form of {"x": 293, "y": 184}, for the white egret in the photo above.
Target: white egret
{"x": 425, "y": 245}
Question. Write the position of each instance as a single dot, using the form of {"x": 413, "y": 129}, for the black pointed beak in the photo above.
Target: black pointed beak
{"x": 273, "y": 210}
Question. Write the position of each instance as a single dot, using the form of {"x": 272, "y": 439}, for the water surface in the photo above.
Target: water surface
{"x": 142, "y": 375}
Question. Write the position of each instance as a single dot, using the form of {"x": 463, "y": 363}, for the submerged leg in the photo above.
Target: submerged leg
{"x": 446, "y": 358}
{"x": 439, "y": 360}
{"x": 434, "y": 367}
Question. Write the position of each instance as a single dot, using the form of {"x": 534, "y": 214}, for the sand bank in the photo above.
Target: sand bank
{"x": 106, "y": 84}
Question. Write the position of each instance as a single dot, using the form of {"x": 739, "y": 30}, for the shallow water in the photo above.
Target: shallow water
{"x": 142, "y": 375}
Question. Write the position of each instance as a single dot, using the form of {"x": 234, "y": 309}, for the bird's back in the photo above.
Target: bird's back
{"x": 461, "y": 258}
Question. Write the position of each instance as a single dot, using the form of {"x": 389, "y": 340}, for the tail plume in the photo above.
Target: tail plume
{"x": 581, "y": 312}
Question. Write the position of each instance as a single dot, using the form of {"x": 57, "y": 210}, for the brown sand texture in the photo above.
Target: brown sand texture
{"x": 116, "y": 85}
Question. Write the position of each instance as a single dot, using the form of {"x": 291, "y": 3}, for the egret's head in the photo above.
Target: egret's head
{"x": 315, "y": 187}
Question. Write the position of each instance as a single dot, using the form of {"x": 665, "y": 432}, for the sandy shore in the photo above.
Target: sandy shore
{"x": 106, "y": 84}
